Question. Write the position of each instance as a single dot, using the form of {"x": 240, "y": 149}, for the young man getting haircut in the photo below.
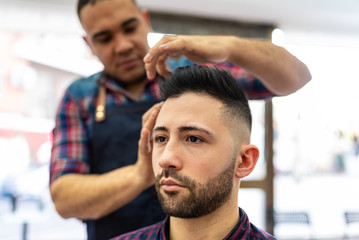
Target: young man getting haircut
{"x": 200, "y": 152}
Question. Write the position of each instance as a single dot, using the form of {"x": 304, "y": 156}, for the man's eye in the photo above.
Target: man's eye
{"x": 194, "y": 139}
{"x": 160, "y": 139}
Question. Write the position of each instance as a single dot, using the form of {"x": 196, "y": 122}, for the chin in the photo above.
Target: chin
{"x": 132, "y": 76}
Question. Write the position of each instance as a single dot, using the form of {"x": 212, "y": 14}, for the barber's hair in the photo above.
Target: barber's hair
{"x": 82, "y": 3}
{"x": 211, "y": 81}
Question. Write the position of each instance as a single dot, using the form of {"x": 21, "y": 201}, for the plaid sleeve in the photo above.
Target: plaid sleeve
{"x": 69, "y": 152}
{"x": 252, "y": 86}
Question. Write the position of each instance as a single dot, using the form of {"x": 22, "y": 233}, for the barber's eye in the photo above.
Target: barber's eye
{"x": 104, "y": 39}
{"x": 130, "y": 29}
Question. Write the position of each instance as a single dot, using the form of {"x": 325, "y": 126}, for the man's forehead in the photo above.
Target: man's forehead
{"x": 189, "y": 108}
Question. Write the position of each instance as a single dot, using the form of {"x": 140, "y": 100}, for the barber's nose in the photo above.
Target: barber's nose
{"x": 170, "y": 158}
{"x": 123, "y": 44}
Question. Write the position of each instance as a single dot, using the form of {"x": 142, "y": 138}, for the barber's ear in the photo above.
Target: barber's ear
{"x": 146, "y": 17}
{"x": 247, "y": 158}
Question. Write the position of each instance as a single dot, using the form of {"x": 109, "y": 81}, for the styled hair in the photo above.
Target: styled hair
{"x": 82, "y": 3}
{"x": 210, "y": 81}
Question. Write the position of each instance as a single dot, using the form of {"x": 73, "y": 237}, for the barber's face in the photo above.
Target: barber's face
{"x": 194, "y": 157}
{"x": 117, "y": 34}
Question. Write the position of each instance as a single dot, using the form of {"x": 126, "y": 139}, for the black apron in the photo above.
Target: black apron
{"x": 114, "y": 145}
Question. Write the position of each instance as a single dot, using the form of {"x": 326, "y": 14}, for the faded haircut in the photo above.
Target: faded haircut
{"x": 210, "y": 81}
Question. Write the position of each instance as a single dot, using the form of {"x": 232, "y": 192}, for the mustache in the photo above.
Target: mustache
{"x": 171, "y": 173}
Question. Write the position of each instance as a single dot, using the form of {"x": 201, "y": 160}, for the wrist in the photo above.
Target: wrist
{"x": 236, "y": 48}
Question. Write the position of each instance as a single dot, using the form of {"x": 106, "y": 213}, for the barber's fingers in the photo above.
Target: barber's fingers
{"x": 162, "y": 68}
{"x": 177, "y": 45}
{"x": 153, "y": 111}
{"x": 144, "y": 158}
{"x": 147, "y": 127}
{"x": 144, "y": 143}
{"x": 157, "y": 56}
{"x": 144, "y": 146}
{"x": 158, "y": 66}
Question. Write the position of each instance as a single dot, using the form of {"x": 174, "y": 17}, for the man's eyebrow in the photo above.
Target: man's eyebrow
{"x": 160, "y": 128}
{"x": 128, "y": 21}
{"x": 185, "y": 129}
{"x": 195, "y": 128}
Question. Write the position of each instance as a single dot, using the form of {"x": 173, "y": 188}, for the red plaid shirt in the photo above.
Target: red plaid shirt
{"x": 244, "y": 230}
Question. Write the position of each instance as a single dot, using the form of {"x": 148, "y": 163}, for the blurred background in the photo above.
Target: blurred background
{"x": 313, "y": 148}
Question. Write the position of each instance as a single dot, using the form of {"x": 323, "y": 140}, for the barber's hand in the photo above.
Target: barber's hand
{"x": 144, "y": 159}
{"x": 199, "y": 49}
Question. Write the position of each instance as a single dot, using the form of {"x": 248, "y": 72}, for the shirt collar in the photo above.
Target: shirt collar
{"x": 116, "y": 86}
{"x": 165, "y": 229}
{"x": 241, "y": 228}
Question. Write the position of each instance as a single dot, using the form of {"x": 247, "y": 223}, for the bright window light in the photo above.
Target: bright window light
{"x": 153, "y": 38}
{"x": 278, "y": 37}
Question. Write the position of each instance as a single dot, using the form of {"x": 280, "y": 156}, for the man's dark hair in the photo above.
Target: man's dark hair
{"x": 210, "y": 81}
{"x": 82, "y": 3}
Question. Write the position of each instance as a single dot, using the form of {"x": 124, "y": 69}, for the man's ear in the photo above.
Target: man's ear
{"x": 247, "y": 158}
{"x": 88, "y": 43}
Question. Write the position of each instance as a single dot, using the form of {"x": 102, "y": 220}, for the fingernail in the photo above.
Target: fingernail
{"x": 149, "y": 75}
{"x": 147, "y": 58}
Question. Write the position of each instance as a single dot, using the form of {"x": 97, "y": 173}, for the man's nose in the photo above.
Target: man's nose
{"x": 171, "y": 158}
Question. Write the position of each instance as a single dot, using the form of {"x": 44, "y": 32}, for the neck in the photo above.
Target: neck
{"x": 135, "y": 88}
{"x": 215, "y": 225}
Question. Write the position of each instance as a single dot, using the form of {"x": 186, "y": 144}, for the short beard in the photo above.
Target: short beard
{"x": 203, "y": 198}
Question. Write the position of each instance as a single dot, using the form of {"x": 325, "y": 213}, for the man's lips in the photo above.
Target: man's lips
{"x": 170, "y": 185}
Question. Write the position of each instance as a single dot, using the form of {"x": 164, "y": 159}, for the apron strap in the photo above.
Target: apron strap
{"x": 101, "y": 104}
